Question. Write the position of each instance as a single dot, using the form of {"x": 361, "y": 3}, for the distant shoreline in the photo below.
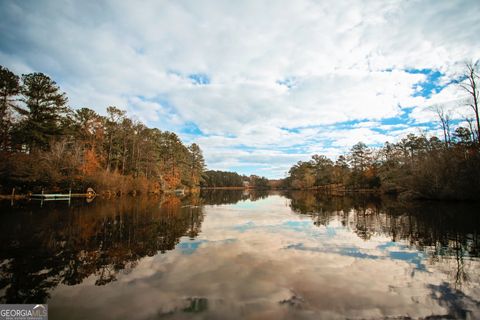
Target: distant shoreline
{"x": 224, "y": 188}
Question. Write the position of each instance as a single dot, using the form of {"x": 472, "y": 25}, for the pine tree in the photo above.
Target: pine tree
{"x": 9, "y": 88}
{"x": 197, "y": 164}
{"x": 44, "y": 108}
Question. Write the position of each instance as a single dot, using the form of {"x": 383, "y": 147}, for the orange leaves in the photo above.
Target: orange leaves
{"x": 172, "y": 179}
{"x": 370, "y": 172}
{"x": 91, "y": 163}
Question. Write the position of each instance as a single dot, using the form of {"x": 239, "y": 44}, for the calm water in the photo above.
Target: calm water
{"x": 229, "y": 255}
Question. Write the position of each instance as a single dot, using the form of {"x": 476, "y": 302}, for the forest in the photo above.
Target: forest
{"x": 415, "y": 167}
{"x": 46, "y": 144}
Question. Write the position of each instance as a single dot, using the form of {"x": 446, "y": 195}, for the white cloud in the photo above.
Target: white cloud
{"x": 453, "y": 100}
{"x": 346, "y": 59}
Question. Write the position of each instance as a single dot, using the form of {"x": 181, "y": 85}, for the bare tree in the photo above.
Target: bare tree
{"x": 473, "y": 131}
{"x": 444, "y": 117}
{"x": 471, "y": 87}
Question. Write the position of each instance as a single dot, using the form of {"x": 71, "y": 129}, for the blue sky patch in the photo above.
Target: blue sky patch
{"x": 189, "y": 247}
{"x": 297, "y": 225}
{"x": 288, "y": 82}
{"x": 431, "y": 85}
{"x": 415, "y": 258}
{"x": 199, "y": 78}
{"x": 192, "y": 128}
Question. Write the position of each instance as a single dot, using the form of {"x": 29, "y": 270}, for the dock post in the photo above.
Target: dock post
{"x": 13, "y": 196}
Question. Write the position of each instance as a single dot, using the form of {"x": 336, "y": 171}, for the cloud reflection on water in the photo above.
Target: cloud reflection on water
{"x": 259, "y": 260}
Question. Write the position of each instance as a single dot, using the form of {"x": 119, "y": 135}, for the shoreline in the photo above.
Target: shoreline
{"x": 225, "y": 188}
{"x": 333, "y": 193}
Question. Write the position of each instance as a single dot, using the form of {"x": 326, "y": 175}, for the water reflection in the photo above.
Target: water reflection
{"x": 235, "y": 254}
{"x": 43, "y": 247}
{"x": 226, "y": 196}
{"x": 441, "y": 230}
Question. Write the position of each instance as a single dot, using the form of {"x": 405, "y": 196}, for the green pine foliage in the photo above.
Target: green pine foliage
{"x": 221, "y": 179}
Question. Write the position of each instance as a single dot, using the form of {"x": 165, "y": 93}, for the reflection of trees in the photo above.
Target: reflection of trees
{"x": 41, "y": 248}
{"x": 222, "y": 196}
{"x": 258, "y": 194}
{"x": 458, "y": 304}
{"x": 324, "y": 209}
{"x": 231, "y": 196}
{"x": 446, "y": 231}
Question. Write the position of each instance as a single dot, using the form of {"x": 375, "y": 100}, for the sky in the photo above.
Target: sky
{"x": 259, "y": 85}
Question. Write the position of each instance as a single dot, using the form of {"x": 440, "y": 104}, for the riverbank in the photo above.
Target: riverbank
{"x": 105, "y": 193}
{"x": 224, "y": 188}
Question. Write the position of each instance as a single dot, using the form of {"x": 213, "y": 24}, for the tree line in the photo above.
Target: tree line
{"x": 222, "y": 179}
{"x": 417, "y": 166}
{"x": 46, "y": 144}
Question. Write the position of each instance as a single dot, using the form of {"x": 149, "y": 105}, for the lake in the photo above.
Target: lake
{"x": 242, "y": 255}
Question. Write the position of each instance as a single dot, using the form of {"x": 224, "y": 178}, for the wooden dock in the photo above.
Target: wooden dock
{"x": 62, "y": 196}
{"x": 51, "y": 196}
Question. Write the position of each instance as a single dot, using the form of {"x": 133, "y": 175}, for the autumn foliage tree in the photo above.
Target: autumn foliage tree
{"x": 45, "y": 144}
